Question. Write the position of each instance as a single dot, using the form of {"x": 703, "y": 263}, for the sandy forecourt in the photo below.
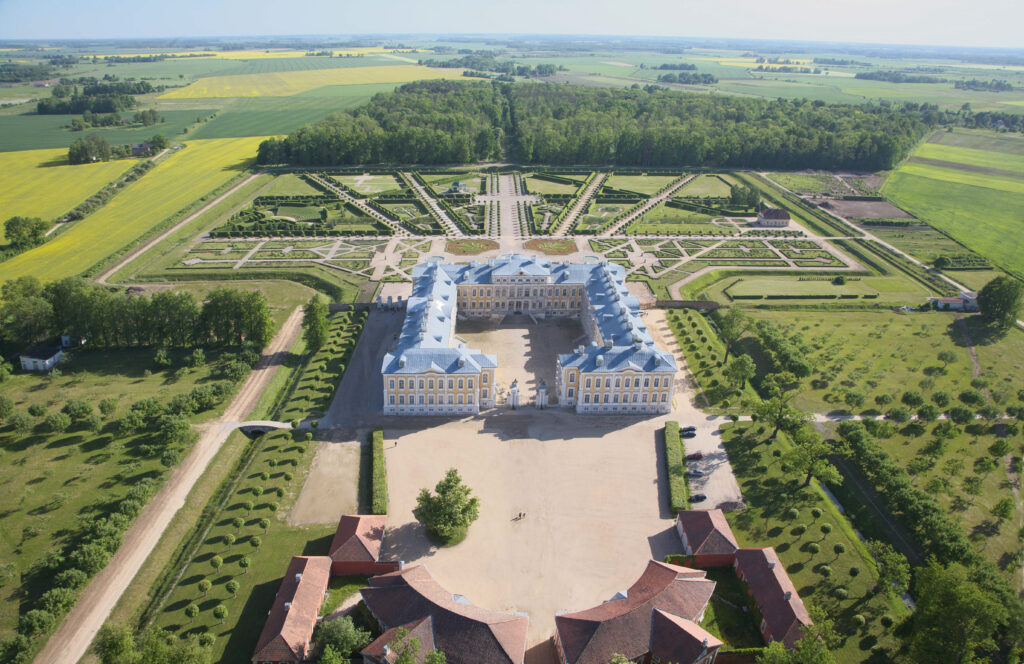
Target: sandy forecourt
{"x": 593, "y": 494}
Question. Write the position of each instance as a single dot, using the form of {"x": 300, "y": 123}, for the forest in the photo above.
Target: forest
{"x": 446, "y": 122}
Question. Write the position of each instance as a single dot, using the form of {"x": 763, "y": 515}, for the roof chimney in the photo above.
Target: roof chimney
{"x": 298, "y": 577}
{"x": 788, "y": 596}
{"x": 401, "y": 361}
{"x": 771, "y": 564}
{"x": 287, "y": 606}
{"x": 599, "y": 361}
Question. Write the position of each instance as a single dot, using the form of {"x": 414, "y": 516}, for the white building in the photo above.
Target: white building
{"x": 41, "y": 358}
{"x": 773, "y": 218}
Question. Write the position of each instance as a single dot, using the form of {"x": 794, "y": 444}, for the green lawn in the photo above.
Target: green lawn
{"x": 708, "y": 184}
{"x": 30, "y": 131}
{"x": 290, "y": 184}
{"x": 980, "y": 139}
{"x": 641, "y": 184}
{"x": 809, "y": 183}
{"x": 704, "y": 353}
{"x": 538, "y": 185}
{"x": 984, "y": 158}
{"x": 725, "y": 616}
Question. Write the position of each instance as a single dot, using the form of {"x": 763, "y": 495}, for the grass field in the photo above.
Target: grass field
{"x": 41, "y": 183}
{"x": 707, "y": 185}
{"x": 176, "y": 183}
{"x": 283, "y": 84}
{"x": 1000, "y": 183}
{"x": 369, "y": 184}
{"x": 541, "y": 186}
{"x": 814, "y": 183}
{"x": 982, "y": 158}
{"x": 30, "y": 132}
{"x": 979, "y": 217}
{"x": 641, "y": 184}
{"x": 52, "y": 482}
{"x": 895, "y": 290}
{"x": 290, "y": 185}
{"x": 978, "y": 139}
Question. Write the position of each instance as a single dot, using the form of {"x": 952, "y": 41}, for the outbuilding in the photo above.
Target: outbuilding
{"x": 41, "y": 358}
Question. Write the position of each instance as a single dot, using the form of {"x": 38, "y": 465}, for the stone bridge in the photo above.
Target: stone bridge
{"x": 257, "y": 428}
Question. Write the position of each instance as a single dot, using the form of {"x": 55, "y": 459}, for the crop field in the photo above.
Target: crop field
{"x": 259, "y": 54}
{"x": 29, "y": 132}
{"x": 641, "y": 184}
{"x": 983, "y": 159}
{"x": 978, "y": 210}
{"x": 283, "y": 84}
{"x": 265, "y": 116}
{"x": 40, "y": 183}
{"x": 176, "y": 183}
{"x": 980, "y": 140}
{"x": 707, "y": 185}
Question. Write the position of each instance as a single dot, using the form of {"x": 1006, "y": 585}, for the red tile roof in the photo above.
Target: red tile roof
{"x": 467, "y": 634}
{"x": 774, "y": 593}
{"x": 358, "y": 538}
{"x": 707, "y": 531}
{"x": 422, "y": 630}
{"x": 286, "y": 633}
{"x": 675, "y": 639}
{"x": 624, "y": 625}
{"x": 774, "y": 213}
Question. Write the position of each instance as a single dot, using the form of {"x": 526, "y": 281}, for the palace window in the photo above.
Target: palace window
{"x": 391, "y": 399}
{"x": 588, "y": 383}
{"x": 421, "y": 383}
{"x": 618, "y": 382}
{"x": 664, "y": 397}
{"x": 483, "y": 379}
{"x": 470, "y": 383}
{"x": 451, "y": 399}
{"x": 647, "y": 381}
{"x": 401, "y": 384}
{"x": 572, "y": 378}
{"x": 460, "y": 399}
{"x": 606, "y": 398}
{"x": 586, "y": 398}
{"x": 421, "y": 399}
{"x": 451, "y": 384}
{"x": 645, "y": 397}
{"x": 636, "y": 397}
{"x": 430, "y": 384}
{"x": 430, "y": 400}
{"x": 391, "y": 383}
{"x": 401, "y": 399}
{"x": 460, "y": 383}
{"x": 571, "y": 392}
{"x": 483, "y": 393}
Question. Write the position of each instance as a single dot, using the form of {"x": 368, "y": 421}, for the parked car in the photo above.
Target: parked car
{"x": 698, "y": 498}
{"x": 688, "y": 428}
{"x": 696, "y": 456}
{"x": 696, "y": 472}
{"x": 689, "y": 434}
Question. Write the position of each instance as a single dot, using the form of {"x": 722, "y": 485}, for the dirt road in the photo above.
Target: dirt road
{"x": 106, "y": 274}
{"x": 76, "y": 632}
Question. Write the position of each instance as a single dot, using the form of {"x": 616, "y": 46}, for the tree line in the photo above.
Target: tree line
{"x": 897, "y": 77}
{"x": 984, "y": 86}
{"x": 436, "y": 122}
{"x": 688, "y": 78}
{"x": 74, "y": 96}
{"x": 487, "y": 62}
{"x": 32, "y": 313}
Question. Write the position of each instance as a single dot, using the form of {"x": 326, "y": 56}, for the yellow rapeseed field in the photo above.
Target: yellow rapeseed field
{"x": 41, "y": 183}
{"x": 175, "y": 183}
{"x": 287, "y": 83}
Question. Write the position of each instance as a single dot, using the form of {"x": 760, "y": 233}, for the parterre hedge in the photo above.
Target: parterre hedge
{"x": 675, "y": 463}
{"x": 379, "y": 503}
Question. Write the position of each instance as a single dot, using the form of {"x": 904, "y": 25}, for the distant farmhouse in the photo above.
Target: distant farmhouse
{"x": 621, "y": 370}
{"x": 773, "y": 218}
{"x": 966, "y": 301}
{"x": 41, "y": 358}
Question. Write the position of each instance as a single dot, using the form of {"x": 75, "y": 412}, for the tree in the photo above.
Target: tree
{"x": 947, "y": 357}
{"x": 35, "y": 622}
{"x": 229, "y": 539}
{"x": 244, "y": 562}
{"x": 739, "y": 370}
{"x": 255, "y": 542}
{"x": 731, "y": 328}
{"x": 999, "y": 301}
{"x": 619, "y": 659}
{"x": 955, "y": 620}
{"x": 451, "y": 510}
{"x": 407, "y": 650}
{"x": 332, "y": 656}
{"x": 1003, "y": 509}
{"x": 314, "y": 324}
{"x": 159, "y": 141}
{"x": 204, "y": 586}
{"x": 216, "y": 562}
{"x": 341, "y": 635}
{"x": 810, "y": 456}
{"x": 25, "y": 232}
{"x": 115, "y": 644}
{"x": 57, "y": 422}
{"x": 232, "y": 587}
{"x": 220, "y": 612}
{"x": 91, "y": 148}
{"x": 893, "y": 568}
{"x": 191, "y": 611}
{"x": 809, "y": 649}
{"x": 776, "y": 412}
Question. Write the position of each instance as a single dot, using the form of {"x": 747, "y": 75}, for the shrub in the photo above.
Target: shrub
{"x": 813, "y": 549}
{"x": 37, "y": 410}
{"x": 825, "y": 571}
{"x": 816, "y": 512}
{"x": 840, "y": 593}
{"x": 379, "y": 501}
{"x": 678, "y": 487}
{"x": 886, "y": 621}
{"x": 792, "y": 513}
{"x": 858, "y": 620}
{"x": 854, "y": 571}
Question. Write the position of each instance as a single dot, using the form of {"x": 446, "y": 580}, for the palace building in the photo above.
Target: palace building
{"x": 620, "y": 369}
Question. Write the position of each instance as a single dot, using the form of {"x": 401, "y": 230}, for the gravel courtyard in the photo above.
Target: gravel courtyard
{"x": 593, "y": 491}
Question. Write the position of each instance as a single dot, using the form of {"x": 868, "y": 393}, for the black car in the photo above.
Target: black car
{"x": 689, "y": 434}
{"x": 689, "y": 428}
{"x": 696, "y": 456}
{"x": 698, "y": 498}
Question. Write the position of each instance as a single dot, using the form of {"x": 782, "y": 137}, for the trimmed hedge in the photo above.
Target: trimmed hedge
{"x": 678, "y": 486}
{"x": 379, "y": 492}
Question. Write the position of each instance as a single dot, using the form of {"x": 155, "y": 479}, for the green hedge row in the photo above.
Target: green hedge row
{"x": 379, "y": 503}
{"x": 678, "y": 486}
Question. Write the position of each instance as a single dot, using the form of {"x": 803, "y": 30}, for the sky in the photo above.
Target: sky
{"x": 994, "y": 23}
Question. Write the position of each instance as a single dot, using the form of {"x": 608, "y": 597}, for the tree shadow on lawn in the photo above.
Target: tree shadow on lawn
{"x": 242, "y": 637}
{"x": 981, "y": 333}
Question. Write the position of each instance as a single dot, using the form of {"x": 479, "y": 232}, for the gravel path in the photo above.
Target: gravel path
{"x": 75, "y": 634}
